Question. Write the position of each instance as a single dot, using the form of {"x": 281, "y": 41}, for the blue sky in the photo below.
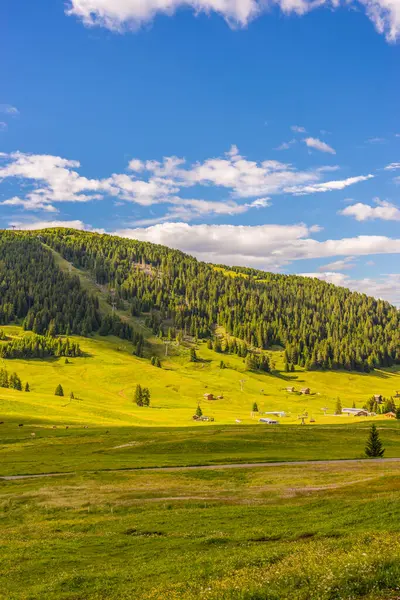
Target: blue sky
{"x": 267, "y": 138}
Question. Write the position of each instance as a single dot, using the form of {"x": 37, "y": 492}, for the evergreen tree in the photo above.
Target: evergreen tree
{"x": 292, "y": 368}
{"x": 222, "y": 365}
{"x": 338, "y": 409}
{"x": 251, "y": 362}
{"x": 255, "y": 407}
{"x": 66, "y": 361}
{"x": 27, "y": 388}
{"x": 193, "y": 355}
{"x": 59, "y": 390}
{"x": 209, "y": 344}
{"x": 71, "y": 396}
{"x": 146, "y": 396}
{"x": 398, "y": 412}
{"x": 139, "y": 395}
{"x": 374, "y": 447}
{"x": 199, "y": 412}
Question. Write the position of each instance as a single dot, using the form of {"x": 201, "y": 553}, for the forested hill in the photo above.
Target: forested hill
{"x": 320, "y": 325}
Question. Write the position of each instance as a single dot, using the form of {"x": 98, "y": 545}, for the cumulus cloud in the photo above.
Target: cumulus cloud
{"x": 339, "y": 265}
{"x": 76, "y": 224}
{"x": 386, "y": 287}
{"x": 46, "y": 180}
{"x": 262, "y": 246}
{"x": 364, "y": 212}
{"x": 317, "y": 144}
{"x": 121, "y": 15}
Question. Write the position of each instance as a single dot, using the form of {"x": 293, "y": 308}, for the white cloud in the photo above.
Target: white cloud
{"x": 339, "y": 265}
{"x": 29, "y": 204}
{"x": 328, "y": 186}
{"x": 386, "y": 287}
{"x": 47, "y": 224}
{"x": 46, "y": 180}
{"x": 393, "y": 166}
{"x": 263, "y": 246}
{"x": 317, "y": 144}
{"x": 8, "y": 109}
{"x": 364, "y": 212}
{"x": 286, "y": 145}
{"x": 120, "y": 15}
{"x": 298, "y": 129}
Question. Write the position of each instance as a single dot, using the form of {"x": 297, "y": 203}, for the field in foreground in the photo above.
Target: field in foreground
{"x": 317, "y": 532}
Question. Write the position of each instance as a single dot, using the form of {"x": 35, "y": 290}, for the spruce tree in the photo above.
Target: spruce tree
{"x": 27, "y": 388}
{"x": 374, "y": 447}
{"x": 199, "y": 412}
{"x": 193, "y": 355}
{"x": 338, "y": 409}
{"x": 139, "y": 395}
{"x": 146, "y": 396}
{"x": 255, "y": 407}
{"x": 59, "y": 390}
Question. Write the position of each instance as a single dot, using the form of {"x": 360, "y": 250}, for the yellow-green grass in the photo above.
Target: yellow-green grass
{"x": 103, "y": 382}
{"x": 318, "y": 532}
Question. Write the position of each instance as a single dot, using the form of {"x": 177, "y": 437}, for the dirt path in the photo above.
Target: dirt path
{"x": 345, "y": 461}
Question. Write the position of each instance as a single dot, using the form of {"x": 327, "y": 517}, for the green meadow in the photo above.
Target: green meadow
{"x": 315, "y": 532}
{"x": 103, "y": 382}
{"x": 100, "y": 531}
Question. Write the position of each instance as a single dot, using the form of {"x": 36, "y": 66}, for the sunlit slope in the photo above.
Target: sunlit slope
{"x": 103, "y": 383}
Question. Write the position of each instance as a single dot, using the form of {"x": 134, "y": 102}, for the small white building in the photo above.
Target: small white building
{"x": 269, "y": 421}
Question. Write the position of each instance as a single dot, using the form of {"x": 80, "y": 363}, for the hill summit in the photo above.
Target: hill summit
{"x": 320, "y": 326}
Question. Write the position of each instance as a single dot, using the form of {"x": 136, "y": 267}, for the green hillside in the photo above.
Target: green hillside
{"x": 103, "y": 382}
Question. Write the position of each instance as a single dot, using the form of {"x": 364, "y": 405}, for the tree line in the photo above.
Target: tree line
{"x": 321, "y": 326}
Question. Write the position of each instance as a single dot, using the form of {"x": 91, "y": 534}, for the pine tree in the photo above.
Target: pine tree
{"x": 338, "y": 409}
{"x": 222, "y": 365}
{"x": 71, "y": 396}
{"x": 139, "y": 395}
{"x": 354, "y": 404}
{"x": 66, "y": 361}
{"x": 199, "y": 412}
{"x": 59, "y": 390}
{"x": 209, "y": 344}
{"x": 374, "y": 447}
{"x": 27, "y": 388}
{"x": 146, "y": 396}
{"x": 255, "y": 407}
{"x": 193, "y": 355}
{"x": 292, "y": 369}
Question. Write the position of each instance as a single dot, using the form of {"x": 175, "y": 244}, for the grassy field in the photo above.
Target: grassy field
{"x": 103, "y": 382}
{"x": 314, "y": 532}
{"x": 318, "y": 532}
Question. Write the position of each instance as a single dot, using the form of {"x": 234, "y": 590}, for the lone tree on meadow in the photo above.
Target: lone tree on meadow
{"x": 374, "y": 447}
{"x": 199, "y": 412}
{"x": 146, "y": 396}
{"x": 27, "y": 388}
{"x": 338, "y": 409}
{"x": 139, "y": 395}
{"x": 255, "y": 407}
{"x": 59, "y": 391}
